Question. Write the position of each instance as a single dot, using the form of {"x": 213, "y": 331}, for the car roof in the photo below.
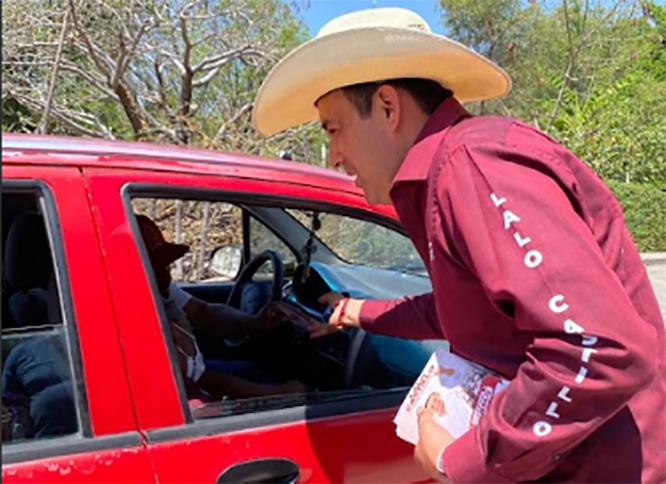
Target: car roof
{"x": 104, "y": 153}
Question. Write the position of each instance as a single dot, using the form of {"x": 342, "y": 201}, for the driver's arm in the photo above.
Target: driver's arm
{"x": 216, "y": 319}
{"x": 219, "y": 319}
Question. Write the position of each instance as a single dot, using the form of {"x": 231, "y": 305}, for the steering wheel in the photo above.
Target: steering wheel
{"x": 248, "y": 272}
{"x": 357, "y": 337}
{"x": 257, "y": 300}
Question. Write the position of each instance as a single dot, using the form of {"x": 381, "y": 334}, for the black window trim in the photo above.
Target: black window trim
{"x": 341, "y": 405}
{"x": 354, "y": 403}
{"x": 46, "y": 203}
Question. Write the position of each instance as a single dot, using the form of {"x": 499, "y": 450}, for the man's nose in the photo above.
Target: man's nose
{"x": 334, "y": 157}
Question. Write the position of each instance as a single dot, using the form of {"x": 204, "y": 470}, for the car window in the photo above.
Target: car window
{"x": 262, "y": 239}
{"x": 225, "y": 365}
{"x": 206, "y": 226}
{"x": 200, "y": 225}
{"x": 39, "y": 396}
{"x": 364, "y": 242}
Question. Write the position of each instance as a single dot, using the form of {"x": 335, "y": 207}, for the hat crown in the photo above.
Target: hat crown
{"x": 388, "y": 17}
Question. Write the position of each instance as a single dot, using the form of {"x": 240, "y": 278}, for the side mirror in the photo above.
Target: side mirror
{"x": 226, "y": 261}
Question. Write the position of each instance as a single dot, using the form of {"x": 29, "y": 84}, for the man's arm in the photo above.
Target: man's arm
{"x": 221, "y": 384}
{"x": 216, "y": 319}
{"x": 537, "y": 259}
{"x": 219, "y": 319}
{"x": 411, "y": 317}
{"x": 10, "y": 381}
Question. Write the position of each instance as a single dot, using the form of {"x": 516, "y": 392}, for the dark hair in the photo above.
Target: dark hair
{"x": 427, "y": 94}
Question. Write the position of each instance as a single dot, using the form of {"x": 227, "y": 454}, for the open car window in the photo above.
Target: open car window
{"x": 207, "y": 226}
{"x": 344, "y": 366}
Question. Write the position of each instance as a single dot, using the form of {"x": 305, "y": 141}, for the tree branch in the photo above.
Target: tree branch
{"x": 44, "y": 123}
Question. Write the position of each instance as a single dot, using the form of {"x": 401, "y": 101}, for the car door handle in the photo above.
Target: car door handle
{"x": 277, "y": 470}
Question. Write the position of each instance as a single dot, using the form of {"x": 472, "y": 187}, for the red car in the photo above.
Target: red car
{"x": 91, "y": 390}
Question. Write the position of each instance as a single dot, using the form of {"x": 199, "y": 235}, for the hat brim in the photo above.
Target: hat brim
{"x": 288, "y": 94}
{"x": 168, "y": 253}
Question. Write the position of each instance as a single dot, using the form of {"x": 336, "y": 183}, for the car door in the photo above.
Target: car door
{"x": 350, "y": 438}
{"x": 75, "y": 424}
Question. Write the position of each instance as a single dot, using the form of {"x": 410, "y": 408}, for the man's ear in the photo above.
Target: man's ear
{"x": 388, "y": 102}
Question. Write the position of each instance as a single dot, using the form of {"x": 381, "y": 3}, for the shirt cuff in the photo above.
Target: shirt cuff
{"x": 463, "y": 461}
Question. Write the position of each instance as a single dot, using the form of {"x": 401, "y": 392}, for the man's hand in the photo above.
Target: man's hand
{"x": 345, "y": 313}
{"x": 331, "y": 299}
{"x": 270, "y": 317}
{"x": 433, "y": 439}
{"x": 293, "y": 386}
{"x": 7, "y": 418}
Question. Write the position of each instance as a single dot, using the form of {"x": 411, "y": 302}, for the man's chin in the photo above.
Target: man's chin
{"x": 374, "y": 198}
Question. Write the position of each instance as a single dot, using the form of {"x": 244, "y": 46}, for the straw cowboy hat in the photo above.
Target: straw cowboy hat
{"x": 370, "y": 45}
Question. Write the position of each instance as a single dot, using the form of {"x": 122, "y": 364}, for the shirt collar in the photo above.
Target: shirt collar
{"x": 419, "y": 157}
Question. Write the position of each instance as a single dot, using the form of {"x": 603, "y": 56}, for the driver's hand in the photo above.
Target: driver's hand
{"x": 270, "y": 317}
{"x": 331, "y": 299}
{"x": 337, "y": 321}
{"x": 319, "y": 330}
{"x": 292, "y": 387}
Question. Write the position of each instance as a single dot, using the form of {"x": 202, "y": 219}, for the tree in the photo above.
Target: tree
{"x": 589, "y": 74}
{"x": 173, "y": 71}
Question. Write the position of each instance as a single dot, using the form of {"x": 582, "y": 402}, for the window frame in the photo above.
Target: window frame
{"x": 247, "y": 214}
{"x": 339, "y": 404}
{"x": 84, "y": 440}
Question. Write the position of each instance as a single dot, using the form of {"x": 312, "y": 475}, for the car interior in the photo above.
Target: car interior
{"x": 339, "y": 365}
{"x": 31, "y": 323}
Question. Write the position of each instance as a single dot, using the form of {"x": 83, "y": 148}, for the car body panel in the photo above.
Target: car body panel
{"x": 131, "y": 383}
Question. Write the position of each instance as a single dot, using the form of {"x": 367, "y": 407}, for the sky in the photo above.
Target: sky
{"x": 321, "y": 11}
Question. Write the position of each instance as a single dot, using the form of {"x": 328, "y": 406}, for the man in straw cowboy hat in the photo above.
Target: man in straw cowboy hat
{"x": 533, "y": 271}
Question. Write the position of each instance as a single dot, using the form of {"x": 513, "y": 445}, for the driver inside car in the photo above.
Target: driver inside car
{"x": 185, "y": 314}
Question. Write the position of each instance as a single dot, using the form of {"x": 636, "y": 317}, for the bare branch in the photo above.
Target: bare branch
{"x": 574, "y": 52}
{"x": 88, "y": 45}
{"x": 186, "y": 87}
{"x": 70, "y": 118}
{"x": 213, "y": 61}
{"x": 241, "y": 112}
{"x": 43, "y": 126}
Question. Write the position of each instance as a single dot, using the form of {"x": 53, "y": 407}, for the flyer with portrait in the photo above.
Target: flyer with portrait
{"x": 456, "y": 390}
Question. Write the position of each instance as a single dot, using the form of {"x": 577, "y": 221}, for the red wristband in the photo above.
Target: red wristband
{"x": 344, "y": 303}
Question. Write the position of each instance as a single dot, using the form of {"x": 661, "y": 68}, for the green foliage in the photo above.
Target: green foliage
{"x": 591, "y": 75}
{"x": 644, "y": 209}
{"x": 16, "y": 116}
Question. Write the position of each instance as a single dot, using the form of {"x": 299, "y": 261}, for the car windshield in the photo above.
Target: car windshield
{"x": 364, "y": 242}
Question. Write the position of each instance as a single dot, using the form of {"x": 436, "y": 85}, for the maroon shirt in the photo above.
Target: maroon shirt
{"x": 535, "y": 276}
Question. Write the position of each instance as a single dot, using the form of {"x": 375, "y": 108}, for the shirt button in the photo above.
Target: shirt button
{"x": 557, "y": 457}
{"x": 497, "y": 466}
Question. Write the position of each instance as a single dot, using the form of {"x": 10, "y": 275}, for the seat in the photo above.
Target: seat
{"x": 28, "y": 269}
